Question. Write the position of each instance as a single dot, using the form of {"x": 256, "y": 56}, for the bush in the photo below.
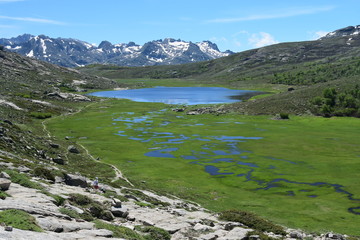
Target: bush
{"x": 153, "y": 232}
{"x": 80, "y": 199}
{"x": 44, "y": 173}
{"x": 119, "y": 231}
{"x": 284, "y": 115}
{"x": 19, "y": 219}
{"x": 23, "y": 180}
{"x": 251, "y": 220}
{"x": 3, "y": 195}
{"x": 40, "y": 115}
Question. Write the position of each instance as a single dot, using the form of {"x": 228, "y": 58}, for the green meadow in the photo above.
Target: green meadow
{"x": 300, "y": 173}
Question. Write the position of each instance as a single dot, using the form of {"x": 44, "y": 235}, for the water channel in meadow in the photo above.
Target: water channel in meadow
{"x": 220, "y": 154}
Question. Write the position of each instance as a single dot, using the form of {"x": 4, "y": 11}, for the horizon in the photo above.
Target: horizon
{"x": 234, "y": 25}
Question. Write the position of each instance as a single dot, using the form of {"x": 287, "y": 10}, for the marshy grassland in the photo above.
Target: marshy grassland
{"x": 301, "y": 173}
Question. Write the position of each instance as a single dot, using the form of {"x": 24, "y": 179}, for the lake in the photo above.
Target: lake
{"x": 181, "y": 95}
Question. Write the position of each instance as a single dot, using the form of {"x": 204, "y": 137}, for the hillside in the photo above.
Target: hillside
{"x": 308, "y": 67}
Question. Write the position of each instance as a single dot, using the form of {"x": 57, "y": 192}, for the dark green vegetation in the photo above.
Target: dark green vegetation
{"x": 19, "y": 219}
{"x": 298, "y": 173}
{"x": 148, "y": 232}
{"x": 252, "y": 221}
{"x": 333, "y": 104}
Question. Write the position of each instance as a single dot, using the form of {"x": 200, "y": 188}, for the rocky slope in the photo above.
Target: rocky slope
{"x": 73, "y": 53}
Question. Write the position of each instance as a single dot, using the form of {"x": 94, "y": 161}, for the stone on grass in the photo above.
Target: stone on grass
{"x": 4, "y": 184}
{"x": 75, "y": 180}
{"x": 73, "y": 149}
{"x": 120, "y": 212}
{"x": 4, "y": 175}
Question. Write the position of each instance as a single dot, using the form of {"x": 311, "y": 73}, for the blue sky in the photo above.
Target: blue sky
{"x": 237, "y": 25}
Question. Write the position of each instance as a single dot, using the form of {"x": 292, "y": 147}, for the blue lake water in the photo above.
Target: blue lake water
{"x": 180, "y": 95}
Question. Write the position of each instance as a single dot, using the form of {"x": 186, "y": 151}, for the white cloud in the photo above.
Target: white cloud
{"x": 37, "y": 20}
{"x": 219, "y": 39}
{"x": 319, "y": 34}
{"x": 261, "y": 39}
{"x": 283, "y": 14}
{"x": 4, "y": 1}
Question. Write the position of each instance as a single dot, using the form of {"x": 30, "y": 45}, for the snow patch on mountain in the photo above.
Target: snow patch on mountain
{"x": 343, "y": 32}
{"x": 72, "y": 52}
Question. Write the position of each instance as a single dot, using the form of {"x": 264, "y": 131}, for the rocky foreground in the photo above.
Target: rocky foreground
{"x": 179, "y": 219}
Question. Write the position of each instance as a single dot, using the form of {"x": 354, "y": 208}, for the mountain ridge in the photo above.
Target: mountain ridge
{"x": 69, "y": 52}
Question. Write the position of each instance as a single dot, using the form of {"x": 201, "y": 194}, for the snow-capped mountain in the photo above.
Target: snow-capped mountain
{"x": 72, "y": 52}
{"x": 343, "y": 32}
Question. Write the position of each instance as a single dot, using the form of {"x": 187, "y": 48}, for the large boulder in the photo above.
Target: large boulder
{"x": 120, "y": 212}
{"x": 4, "y": 184}
{"x": 73, "y": 149}
{"x": 76, "y": 180}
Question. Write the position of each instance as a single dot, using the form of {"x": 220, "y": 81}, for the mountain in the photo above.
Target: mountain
{"x": 69, "y": 52}
{"x": 308, "y": 67}
{"x": 343, "y": 32}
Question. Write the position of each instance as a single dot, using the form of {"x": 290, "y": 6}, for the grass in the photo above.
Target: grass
{"x": 302, "y": 150}
{"x": 252, "y": 221}
{"x": 19, "y": 219}
{"x": 23, "y": 180}
{"x": 119, "y": 231}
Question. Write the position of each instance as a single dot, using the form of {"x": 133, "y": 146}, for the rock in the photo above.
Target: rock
{"x": 73, "y": 149}
{"x": 4, "y": 184}
{"x": 178, "y": 212}
{"x": 24, "y": 169}
{"x": 120, "y": 212}
{"x": 296, "y": 234}
{"x": 201, "y": 228}
{"x": 8, "y": 228}
{"x": 75, "y": 180}
{"x": 59, "y": 161}
{"x": 73, "y": 208}
{"x": 147, "y": 222}
{"x": 254, "y": 237}
{"x": 59, "y": 179}
{"x": 231, "y": 225}
{"x": 334, "y": 236}
{"x": 50, "y": 224}
{"x": 8, "y": 122}
{"x": 107, "y": 216}
{"x": 54, "y": 145}
{"x": 116, "y": 203}
{"x": 178, "y": 109}
{"x": 129, "y": 196}
{"x": 4, "y": 175}
{"x": 238, "y": 233}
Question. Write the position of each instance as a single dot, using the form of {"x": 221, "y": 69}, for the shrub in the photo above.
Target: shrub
{"x": 23, "y": 180}
{"x": 284, "y": 115}
{"x": 19, "y": 219}
{"x": 40, "y": 115}
{"x": 80, "y": 199}
{"x": 119, "y": 231}
{"x": 3, "y": 195}
{"x": 251, "y": 220}
{"x": 153, "y": 232}
{"x": 44, "y": 173}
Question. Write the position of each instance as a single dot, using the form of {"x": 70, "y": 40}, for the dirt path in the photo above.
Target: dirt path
{"x": 118, "y": 173}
